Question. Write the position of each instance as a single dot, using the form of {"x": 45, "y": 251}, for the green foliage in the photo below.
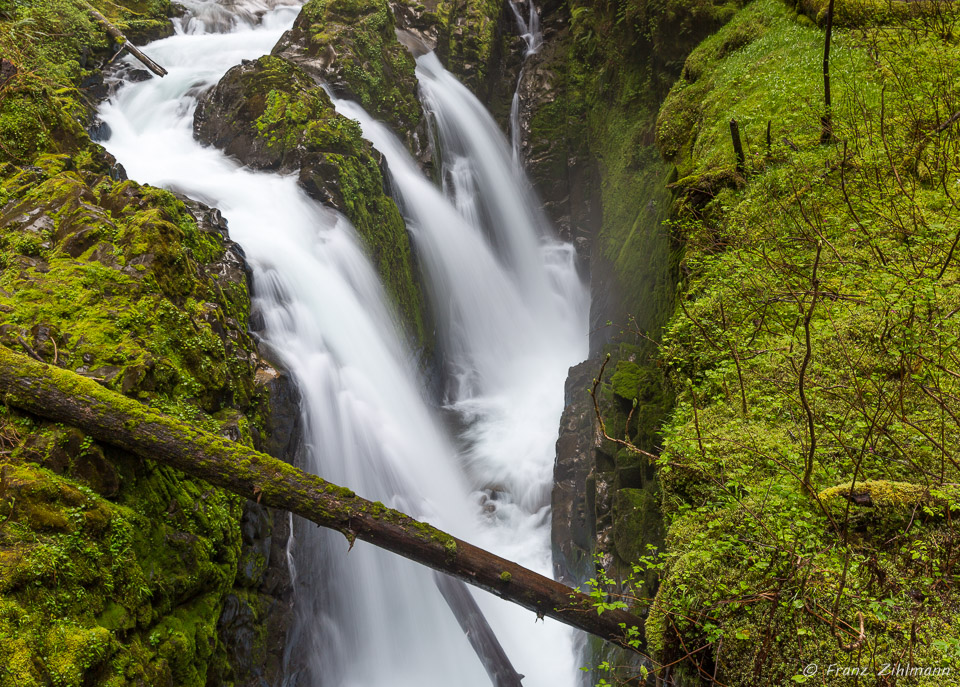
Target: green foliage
{"x": 842, "y": 255}
{"x": 52, "y": 45}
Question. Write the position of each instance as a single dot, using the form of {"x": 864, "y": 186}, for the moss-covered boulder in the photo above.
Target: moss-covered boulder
{"x": 271, "y": 115}
{"x": 351, "y": 45}
{"x": 117, "y": 569}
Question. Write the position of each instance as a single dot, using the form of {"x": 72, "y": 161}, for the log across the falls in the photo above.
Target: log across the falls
{"x": 64, "y": 396}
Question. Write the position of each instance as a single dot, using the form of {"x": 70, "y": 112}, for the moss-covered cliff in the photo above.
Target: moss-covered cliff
{"x": 813, "y": 333}
{"x": 807, "y": 469}
{"x": 114, "y": 570}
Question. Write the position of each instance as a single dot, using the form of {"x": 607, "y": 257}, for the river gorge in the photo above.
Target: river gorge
{"x": 651, "y": 298}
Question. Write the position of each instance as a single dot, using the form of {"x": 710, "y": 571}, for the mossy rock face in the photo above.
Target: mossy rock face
{"x": 874, "y": 523}
{"x": 626, "y": 380}
{"x": 271, "y": 115}
{"x": 118, "y": 282}
{"x": 638, "y": 527}
{"x": 112, "y": 571}
{"x": 351, "y": 45}
{"x": 471, "y": 37}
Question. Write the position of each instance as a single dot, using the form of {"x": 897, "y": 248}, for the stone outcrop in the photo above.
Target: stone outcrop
{"x": 352, "y": 47}
{"x": 270, "y": 114}
{"x": 258, "y": 613}
{"x": 574, "y": 514}
{"x": 126, "y": 285}
{"x": 476, "y": 40}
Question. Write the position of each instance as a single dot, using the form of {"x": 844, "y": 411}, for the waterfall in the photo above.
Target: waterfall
{"x": 512, "y": 318}
{"x": 529, "y": 29}
{"x": 529, "y": 26}
{"x": 511, "y": 310}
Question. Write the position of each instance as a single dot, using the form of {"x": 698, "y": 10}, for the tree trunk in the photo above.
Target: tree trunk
{"x": 107, "y": 416}
{"x": 738, "y": 148}
{"x": 826, "y": 121}
{"x": 479, "y": 633}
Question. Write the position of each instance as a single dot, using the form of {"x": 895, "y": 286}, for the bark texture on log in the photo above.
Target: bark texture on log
{"x": 64, "y": 396}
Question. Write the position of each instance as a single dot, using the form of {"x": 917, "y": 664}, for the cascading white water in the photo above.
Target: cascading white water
{"x": 369, "y": 618}
{"x": 529, "y": 28}
{"x": 511, "y": 309}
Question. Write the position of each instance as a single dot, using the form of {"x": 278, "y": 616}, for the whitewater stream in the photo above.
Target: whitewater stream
{"x": 511, "y": 318}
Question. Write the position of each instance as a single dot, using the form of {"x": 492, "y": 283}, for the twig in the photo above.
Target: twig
{"x": 808, "y": 468}
{"x": 32, "y": 353}
{"x": 603, "y": 427}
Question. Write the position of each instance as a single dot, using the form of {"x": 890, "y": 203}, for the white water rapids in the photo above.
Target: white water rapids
{"x": 512, "y": 318}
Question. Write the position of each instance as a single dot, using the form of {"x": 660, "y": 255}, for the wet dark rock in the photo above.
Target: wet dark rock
{"x": 225, "y": 117}
{"x": 97, "y": 471}
{"x": 256, "y": 618}
{"x": 283, "y": 427}
{"x": 574, "y": 512}
{"x": 257, "y": 322}
{"x": 106, "y": 254}
{"x": 136, "y": 75}
{"x": 69, "y": 452}
{"x": 7, "y": 71}
{"x": 118, "y": 172}
{"x": 94, "y": 87}
{"x": 99, "y": 130}
{"x": 78, "y": 243}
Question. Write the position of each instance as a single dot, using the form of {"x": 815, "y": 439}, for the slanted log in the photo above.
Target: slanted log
{"x": 125, "y": 44}
{"x": 478, "y": 631}
{"x": 63, "y": 396}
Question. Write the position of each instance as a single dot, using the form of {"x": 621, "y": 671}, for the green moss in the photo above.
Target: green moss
{"x": 736, "y": 444}
{"x": 372, "y": 67}
{"x": 51, "y": 44}
{"x": 626, "y": 379}
{"x": 468, "y": 40}
{"x": 99, "y": 550}
{"x": 282, "y": 109}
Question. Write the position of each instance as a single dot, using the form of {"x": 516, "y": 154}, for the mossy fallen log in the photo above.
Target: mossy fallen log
{"x": 64, "y": 396}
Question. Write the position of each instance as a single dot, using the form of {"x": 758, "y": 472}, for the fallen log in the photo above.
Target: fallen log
{"x": 125, "y": 44}
{"x": 64, "y": 396}
{"x": 479, "y": 633}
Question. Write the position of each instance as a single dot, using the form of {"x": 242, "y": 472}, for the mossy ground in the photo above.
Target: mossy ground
{"x": 816, "y": 331}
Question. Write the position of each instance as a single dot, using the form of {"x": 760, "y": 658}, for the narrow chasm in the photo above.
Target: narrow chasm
{"x": 655, "y": 298}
